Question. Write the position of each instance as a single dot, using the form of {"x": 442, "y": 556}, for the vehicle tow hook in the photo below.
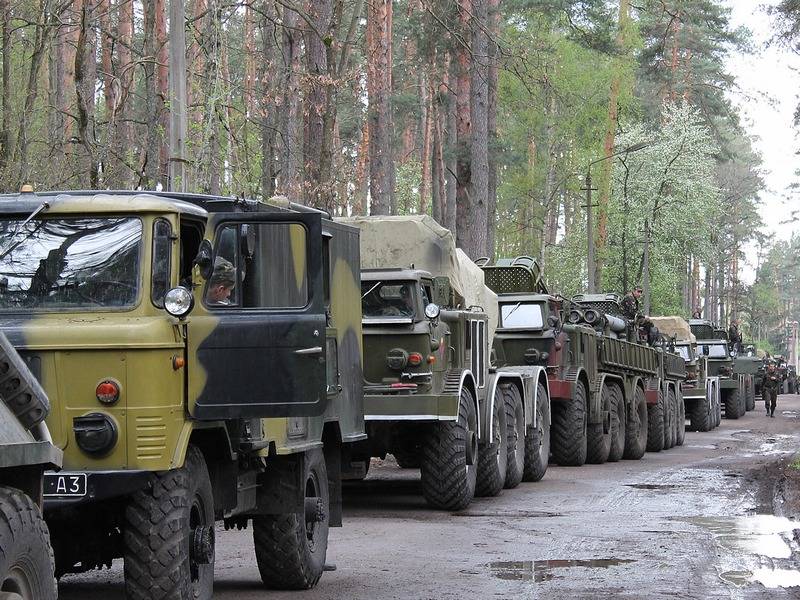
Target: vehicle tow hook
{"x": 202, "y": 548}
{"x": 315, "y": 510}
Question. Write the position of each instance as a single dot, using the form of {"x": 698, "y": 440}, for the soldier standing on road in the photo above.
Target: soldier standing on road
{"x": 769, "y": 388}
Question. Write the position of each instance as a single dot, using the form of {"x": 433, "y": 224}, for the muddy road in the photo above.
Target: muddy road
{"x": 706, "y": 520}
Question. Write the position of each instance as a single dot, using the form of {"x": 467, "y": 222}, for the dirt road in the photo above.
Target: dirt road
{"x": 693, "y": 522}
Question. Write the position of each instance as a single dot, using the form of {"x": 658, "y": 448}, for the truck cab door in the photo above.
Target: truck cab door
{"x": 257, "y": 348}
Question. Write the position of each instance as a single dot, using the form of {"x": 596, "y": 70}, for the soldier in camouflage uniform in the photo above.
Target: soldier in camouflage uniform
{"x": 769, "y": 388}
{"x": 630, "y": 303}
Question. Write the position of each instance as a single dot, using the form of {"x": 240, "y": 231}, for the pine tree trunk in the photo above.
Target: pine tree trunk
{"x": 608, "y": 149}
{"x": 123, "y": 142}
{"x": 427, "y": 134}
{"x": 463, "y": 130}
{"x": 85, "y": 78}
{"x": 379, "y": 87}
{"x": 494, "y": 63}
{"x": 451, "y": 140}
{"x": 267, "y": 102}
{"x": 162, "y": 88}
{"x": 476, "y": 236}
{"x": 5, "y": 88}
{"x": 290, "y": 178}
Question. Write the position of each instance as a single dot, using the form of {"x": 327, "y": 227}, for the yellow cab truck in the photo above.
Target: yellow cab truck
{"x": 200, "y": 366}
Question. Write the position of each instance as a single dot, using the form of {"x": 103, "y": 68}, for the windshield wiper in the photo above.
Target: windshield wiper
{"x": 370, "y": 289}
{"x": 39, "y": 209}
{"x": 511, "y": 312}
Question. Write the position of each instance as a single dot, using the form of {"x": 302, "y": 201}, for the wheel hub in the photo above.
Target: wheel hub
{"x": 472, "y": 447}
{"x": 314, "y": 509}
{"x": 202, "y": 544}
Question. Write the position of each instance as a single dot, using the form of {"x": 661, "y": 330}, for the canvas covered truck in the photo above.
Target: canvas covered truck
{"x": 202, "y": 356}
{"x": 712, "y": 342}
{"x": 26, "y": 557}
{"x": 636, "y": 359}
{"x": 701, "y": 395}
{"x": 432, "y": 397}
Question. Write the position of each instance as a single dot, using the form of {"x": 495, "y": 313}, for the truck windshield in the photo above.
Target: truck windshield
{"x": 69, "y": 263}
{"x": 714, "y": 350}
{"x": 521, "y": 315}
{"x": 684, "y": 352}
{"x": 387, "y": 299}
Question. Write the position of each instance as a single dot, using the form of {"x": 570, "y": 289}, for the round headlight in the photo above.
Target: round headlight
{"x": 575, "y": 316}
{"x": 95, "y": 433}
{"x": 432, "y": 311}
{"x": 178, "y": 301}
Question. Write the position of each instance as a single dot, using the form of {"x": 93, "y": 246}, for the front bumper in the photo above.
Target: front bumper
{"x": 101, "y": 485}
{"x": 410, "y": 407}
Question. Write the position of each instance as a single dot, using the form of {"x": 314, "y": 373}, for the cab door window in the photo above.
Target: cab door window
{"x": 259, "y": 265}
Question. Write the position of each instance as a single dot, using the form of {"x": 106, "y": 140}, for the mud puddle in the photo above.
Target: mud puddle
{"x": 651, "y": 486}
{"x": 749, "y": 541}
{"x": 543, "y": 570}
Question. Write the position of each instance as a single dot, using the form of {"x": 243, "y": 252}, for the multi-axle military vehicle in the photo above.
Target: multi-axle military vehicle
{"x": 432, "y": 397}
{"x": 712, "y": 342}
{"x": 200, "y": 367}
{"x": 701, "y": 396}
{"x": 26, "y": 558}
{"x": 599, "y": 382}
{"x": 636, "y": 352}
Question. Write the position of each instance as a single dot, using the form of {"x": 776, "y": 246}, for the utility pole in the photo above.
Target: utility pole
{"x": 646, "y": 268}
{"x": 177, "y": 101}
{"x": 591, "y": 265}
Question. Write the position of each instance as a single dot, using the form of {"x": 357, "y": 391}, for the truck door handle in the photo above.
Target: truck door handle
{"x": 312, "y": 350}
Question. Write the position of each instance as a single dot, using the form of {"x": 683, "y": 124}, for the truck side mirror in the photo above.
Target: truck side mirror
{"x": 705, "y": 350}
{"x": 205, "y": 259}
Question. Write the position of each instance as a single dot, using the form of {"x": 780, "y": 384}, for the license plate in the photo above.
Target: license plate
{"x": 65, "y": 485}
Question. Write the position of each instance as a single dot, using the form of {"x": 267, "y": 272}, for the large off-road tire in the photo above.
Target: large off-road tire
{"x": 619, "y": 422}
{"x": 636, "y": 428}
{"x": 493, "y": 457}
{"x": 26, "y": 558}
{"x": 568, "y": 429}
{"x": 450, "y": 458}
{"x": 680, "y": 418}
{"x": 718, "y": 411}
{"x": 169, "y": 535}
{"x": 599, "y": 435}
{"x": 751, "y": 397}
{"x": 537, "y": 441}
{"x": 515, "y": 432}
{"x": 672, "y": 430}
{"x": 701, "y": 415}
{"x": 732, "y": 404}
{"x": 655, "y": 424}
{"x": 291, "y": 548}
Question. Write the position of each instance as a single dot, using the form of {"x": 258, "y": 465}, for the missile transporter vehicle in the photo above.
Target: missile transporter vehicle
{"x": 431, "y": 396}
{"x": 26, "y": 558}
{"x": 637, "y": 354}
{"x": 712, "y": 342}
{"x": 701, "y": 395}
{"x": 201, "y": 367}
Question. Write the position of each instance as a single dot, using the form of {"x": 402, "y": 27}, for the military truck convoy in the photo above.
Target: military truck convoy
{"x": 214, "y": 359}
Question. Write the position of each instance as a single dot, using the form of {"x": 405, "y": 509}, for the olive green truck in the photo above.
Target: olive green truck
{"x": 608, "y": 395}
{"x": 432, "y": 396}
{"x": 202, "y": 357}
{"x": 735, "y": 388}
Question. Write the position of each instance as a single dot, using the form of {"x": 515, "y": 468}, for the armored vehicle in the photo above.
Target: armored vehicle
{"x": 432, "y": 398}
{"x": 26, "y": 558}
{"x": 701, "y": 397}
{"x": 200, "y": 366}
{"x": 712, "y": 342}
{"x": 638, "y": 353}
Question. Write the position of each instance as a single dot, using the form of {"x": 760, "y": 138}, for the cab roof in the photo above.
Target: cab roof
{"x": 127, "y": 201}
